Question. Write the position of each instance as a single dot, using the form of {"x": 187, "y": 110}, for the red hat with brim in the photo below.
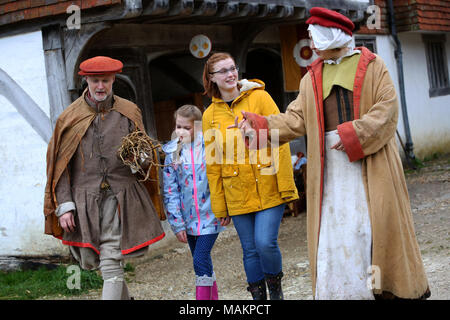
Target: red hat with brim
{"x": 100, "y": 66}
{"x": 330, "y": 19}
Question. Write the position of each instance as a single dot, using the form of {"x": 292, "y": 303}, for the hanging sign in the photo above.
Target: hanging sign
{"x": 296, "y": 54}
{"x": 303, "y": 53}
{"x": 200, "y": 46}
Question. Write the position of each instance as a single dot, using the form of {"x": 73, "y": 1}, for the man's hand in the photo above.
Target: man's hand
{"x": 67, "y": 222}
{"x": 250, "y": 127}
{"x": 338, "y": 146}
{"x": 181, "y": 236}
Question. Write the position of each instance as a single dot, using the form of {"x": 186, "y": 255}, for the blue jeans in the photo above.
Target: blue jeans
{"x": 258, "y": 232}
{"x": 201, "y": 247}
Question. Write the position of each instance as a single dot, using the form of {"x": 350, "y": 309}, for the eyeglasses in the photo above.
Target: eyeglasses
{"x": 225, "y": 71}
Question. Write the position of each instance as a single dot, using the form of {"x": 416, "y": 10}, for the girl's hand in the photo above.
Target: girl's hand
{"x": 181, "y": 236}
{"x": 251, "y": 127}
{"x": 225, "y": 221}
{"x": 237, "y": 124}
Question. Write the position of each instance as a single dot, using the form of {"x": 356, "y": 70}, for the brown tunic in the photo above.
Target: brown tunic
{"x": 94, "y": 165}
{"x": 337, "y": 108}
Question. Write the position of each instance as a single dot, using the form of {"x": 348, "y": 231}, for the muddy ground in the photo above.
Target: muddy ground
{"x": 167, "y": 273}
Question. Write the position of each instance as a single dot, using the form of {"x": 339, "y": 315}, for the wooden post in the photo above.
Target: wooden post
{"x": 59, "y": 96}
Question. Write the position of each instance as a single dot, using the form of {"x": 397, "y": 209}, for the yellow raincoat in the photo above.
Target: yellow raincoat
{"x": 243, "y": 181}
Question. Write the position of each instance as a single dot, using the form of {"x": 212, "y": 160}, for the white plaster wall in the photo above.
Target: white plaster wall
{"x": 429, "y": 118}
{"x": 385, "y": 49}
{"x": 23, "y": 153}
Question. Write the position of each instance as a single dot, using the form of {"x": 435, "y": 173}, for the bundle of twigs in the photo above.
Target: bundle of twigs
{"x": 138, "y": 151}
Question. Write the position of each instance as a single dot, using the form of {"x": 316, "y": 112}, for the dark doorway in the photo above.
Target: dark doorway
{"x": 265, "y": 65}
{"x": 176, "y": 80}
{"x": 123, "y": 87}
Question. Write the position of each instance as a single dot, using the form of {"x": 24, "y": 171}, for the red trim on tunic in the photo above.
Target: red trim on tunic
{"x": 127, "y": 251}
{"x": 366, "y": 57}
{"x": 79, "y": 244}
{"x": 88, "y": 245}
{"x": 350, "y": 141}
{"x": 346, "y": 131}
{"x": 315, "y": 71}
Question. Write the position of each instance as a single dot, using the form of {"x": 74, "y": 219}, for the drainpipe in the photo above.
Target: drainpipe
{"x": 409, "y": 153}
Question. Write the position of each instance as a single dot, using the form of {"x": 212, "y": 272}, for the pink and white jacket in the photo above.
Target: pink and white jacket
{"x": 186, "y": 190}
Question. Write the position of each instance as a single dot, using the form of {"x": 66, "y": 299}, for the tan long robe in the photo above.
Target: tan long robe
{"x": 370, "y": 137}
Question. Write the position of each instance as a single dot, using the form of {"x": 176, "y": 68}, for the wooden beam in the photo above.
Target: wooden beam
{"x": 230, "y": 8}
{"x": 59, "y": 96}
{"x": 26, "y": 106}
{"x": 207, "y": 8}
{"x": 162, "y": 35}
{"x": 157, "y": 7}
{"x": 182, "y": 8}
{"x": 250, "y": 10}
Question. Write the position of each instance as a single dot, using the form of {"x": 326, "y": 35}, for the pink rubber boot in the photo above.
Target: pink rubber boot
{"x": 203, "y": 293}
{"x": 214, "y": 292}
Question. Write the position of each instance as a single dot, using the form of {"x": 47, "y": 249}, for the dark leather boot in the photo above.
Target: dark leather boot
{"x": 274, "y": 284}
{"x": 258, "y": 290}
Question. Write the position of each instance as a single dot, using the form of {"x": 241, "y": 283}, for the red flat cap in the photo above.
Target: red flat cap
{"x": 100, "y": 65}
{"x": 330, "y": 19}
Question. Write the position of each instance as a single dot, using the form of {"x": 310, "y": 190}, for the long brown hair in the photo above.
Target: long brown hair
{"x": 211, "y": 89}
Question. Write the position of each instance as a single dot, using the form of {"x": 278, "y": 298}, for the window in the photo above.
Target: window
{"x": 436, "y": 65}
{"x": 368, "y": 42}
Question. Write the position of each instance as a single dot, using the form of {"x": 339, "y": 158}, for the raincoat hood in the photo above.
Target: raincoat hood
{"x": 245, "y": 87}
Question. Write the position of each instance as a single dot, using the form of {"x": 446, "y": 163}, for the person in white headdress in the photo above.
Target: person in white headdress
{"x": 361, "y": 238}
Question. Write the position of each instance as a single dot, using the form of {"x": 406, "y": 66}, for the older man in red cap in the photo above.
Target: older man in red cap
{"x": 93, "y": 202}
{"x": 361, "y": 239}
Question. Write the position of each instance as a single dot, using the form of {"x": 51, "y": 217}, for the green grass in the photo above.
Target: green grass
{"x": 434, "y": 156}
{"x": 32, "y": 284}
{"x": 128, "y": 267}
{"x": 425, "y": 162}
